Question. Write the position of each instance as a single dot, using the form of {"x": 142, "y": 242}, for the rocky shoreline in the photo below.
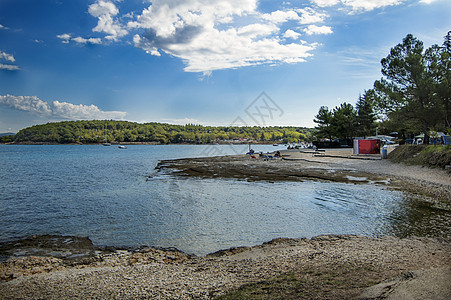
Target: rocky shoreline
{"x": 323, "y": 267}
{"x": 331, "y": 165}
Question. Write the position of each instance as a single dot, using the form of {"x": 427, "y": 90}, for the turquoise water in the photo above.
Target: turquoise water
{"x": 103, "y": 192}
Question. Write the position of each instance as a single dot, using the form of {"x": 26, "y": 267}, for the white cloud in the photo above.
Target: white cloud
{"x": 281, "y": 16}
{"x": 26, "y": 103}
{"x": 66, "y": 38}
{"x": 257, "y": 30}
{"x": 58, "y": 109}
{"x": 102, "y": 7}
{"x": 325, "y": 3}
{"x": 76, "y": 112}
{"x": 206, "y": 36}
{"x": 314, "y": 29}
{"x": 359, "y": 5}
{"x": 291, "y": 34}
{"x": 3, "y": 27}
{"x": 9, "y": 67}
{"x": 367, "y": 5}
{"x": 310, "y": 16}
{"x": 105, "y": 11}
{"x": 7, "y": 56}
{"x": 80, "y": 40}
{"x": 307, "y": 16}
{"x": 210, "y": 35}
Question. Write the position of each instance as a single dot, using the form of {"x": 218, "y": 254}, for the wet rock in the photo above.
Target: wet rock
{"x": 149, "y": 255}
{"x": 65, "y": 247}
{"x": 230, "y": 251}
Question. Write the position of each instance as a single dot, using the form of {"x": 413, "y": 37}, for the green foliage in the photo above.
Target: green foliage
{"x": 6, "y": 139}
{"x": 344, "y": 121}
{"x": 366, "y": 117}
{"x": 431, "y": 156}
{"x": 415, "y": 92}
{"x": 92, "y": 132}
{"x": 339, "y": 122}
{"x": 324, "y": 121}
{"x": 413, "y": 96}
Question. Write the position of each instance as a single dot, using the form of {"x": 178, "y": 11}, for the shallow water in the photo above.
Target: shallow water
{"x": 103, "y": 193}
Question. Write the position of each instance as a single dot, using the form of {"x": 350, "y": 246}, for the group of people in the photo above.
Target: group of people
{"x": 263, "y": 156}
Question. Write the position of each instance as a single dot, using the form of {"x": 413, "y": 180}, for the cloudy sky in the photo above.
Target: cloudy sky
{"x": 198, "y": 61}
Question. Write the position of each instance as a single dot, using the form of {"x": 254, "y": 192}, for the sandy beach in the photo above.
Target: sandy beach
{"x": 324, "y": 267}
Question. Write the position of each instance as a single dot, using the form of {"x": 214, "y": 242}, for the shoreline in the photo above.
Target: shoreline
{"x": 137, "y": 143}
{"x": 322, "y": 267}
{"x": 327, "y": 267}
{"x": 336, "y": 165}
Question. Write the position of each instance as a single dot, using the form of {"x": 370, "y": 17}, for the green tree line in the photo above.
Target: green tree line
{"x": 346, "y": 121}
{"x": 91, "y": 132}
{"x": 413, "y": 96}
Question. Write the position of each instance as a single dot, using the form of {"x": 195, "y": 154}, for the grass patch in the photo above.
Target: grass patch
{"x": 344, "y": 281}
{"x": 425, "y": 155}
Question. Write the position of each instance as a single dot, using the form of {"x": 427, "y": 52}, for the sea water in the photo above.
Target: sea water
{"x": 117, "y": 198}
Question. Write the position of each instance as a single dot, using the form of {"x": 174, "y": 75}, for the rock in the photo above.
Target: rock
{"x": 416, "y": 285}
{"x": 16, "y": 267}
{"x": 66, "y": 247}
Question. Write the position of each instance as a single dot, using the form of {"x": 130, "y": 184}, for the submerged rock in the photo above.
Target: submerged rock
{"x": 57, "y": 246}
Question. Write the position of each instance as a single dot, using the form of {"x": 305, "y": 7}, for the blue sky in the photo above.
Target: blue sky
{"x": 197, "y": 61}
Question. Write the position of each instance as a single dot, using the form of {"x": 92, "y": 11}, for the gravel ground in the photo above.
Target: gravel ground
{"x": 164, "y": 275}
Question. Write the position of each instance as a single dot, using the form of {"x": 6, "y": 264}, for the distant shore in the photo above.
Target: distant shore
{"x": 141, "y": 143}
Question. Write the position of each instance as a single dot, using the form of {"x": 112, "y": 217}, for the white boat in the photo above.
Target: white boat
{"x": 122, "y": 147}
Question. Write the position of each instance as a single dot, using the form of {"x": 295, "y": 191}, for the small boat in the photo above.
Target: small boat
{"x": 122, "y": 147}
{"x": 275, "y": 144}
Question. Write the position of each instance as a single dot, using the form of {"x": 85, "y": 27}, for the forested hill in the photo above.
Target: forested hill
{"x": 89, "y": 132}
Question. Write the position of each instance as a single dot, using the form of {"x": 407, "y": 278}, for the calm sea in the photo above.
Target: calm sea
{"x": 103, "y": 192}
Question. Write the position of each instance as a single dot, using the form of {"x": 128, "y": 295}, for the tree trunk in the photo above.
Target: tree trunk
{"x": 426, "y": 133}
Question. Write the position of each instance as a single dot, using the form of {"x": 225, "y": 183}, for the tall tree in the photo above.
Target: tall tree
{"x": 439, "y": 64}
{"x": 366, "y": 117}
{"x": 344, "y": 121}
{"x": 408, "y": 87}
{"x": 324, "y": 121}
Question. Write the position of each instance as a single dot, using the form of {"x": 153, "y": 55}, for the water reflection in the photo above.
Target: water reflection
{"x": 214, "y": 214}
{"x": 415, "y": 216}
